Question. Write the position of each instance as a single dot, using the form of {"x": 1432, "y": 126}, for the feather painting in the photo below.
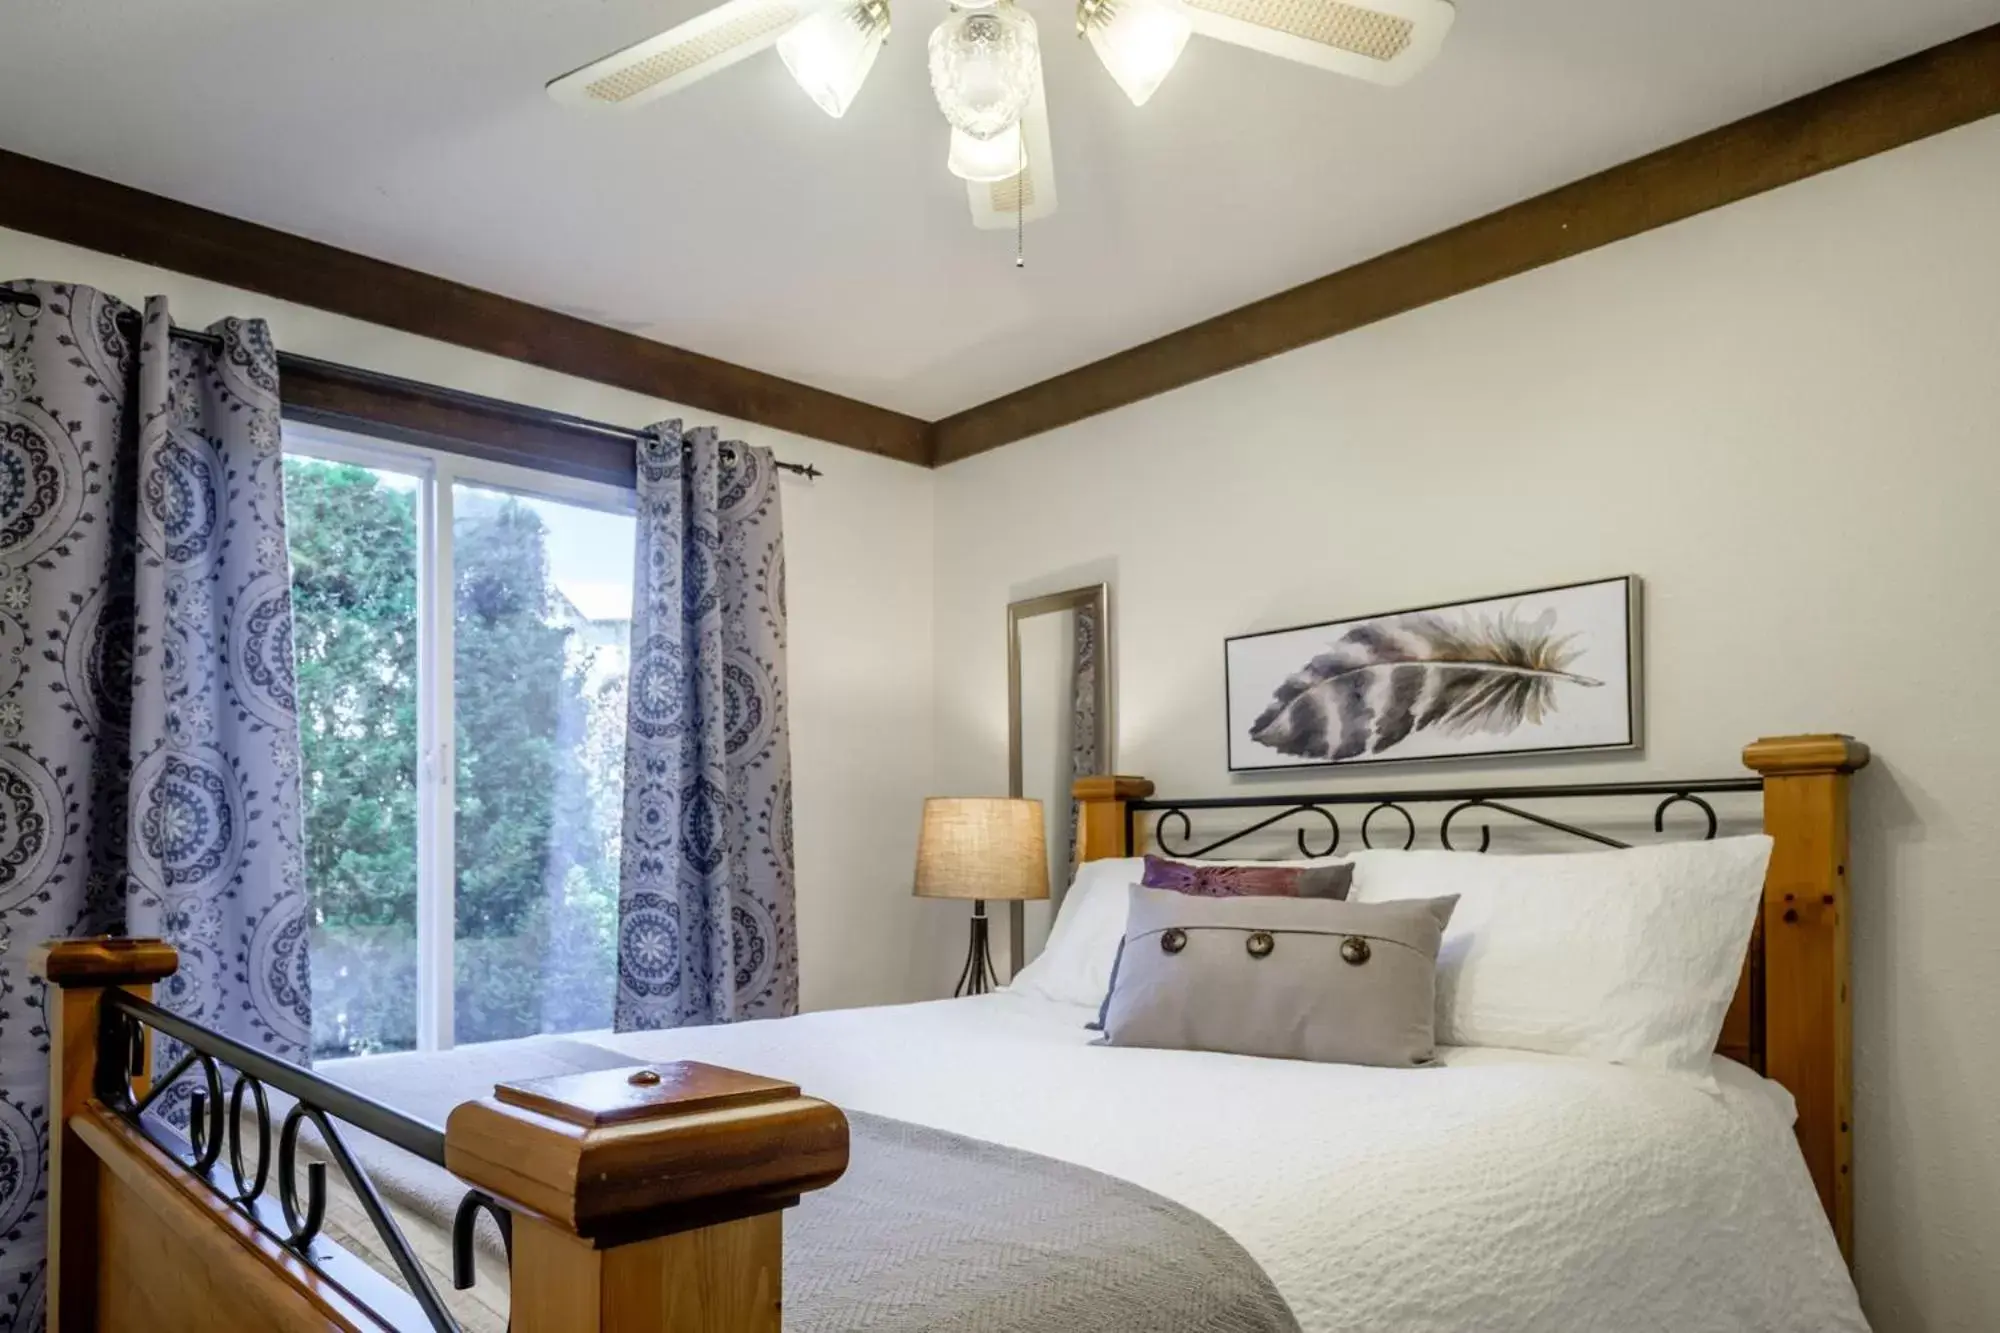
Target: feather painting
{"x": 1525, "y": 672}
{"x": 1382, "y": 682}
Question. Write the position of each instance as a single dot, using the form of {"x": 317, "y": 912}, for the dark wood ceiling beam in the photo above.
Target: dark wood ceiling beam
{"x": 66, "y": 205}
{"x": 1926, "y": 94}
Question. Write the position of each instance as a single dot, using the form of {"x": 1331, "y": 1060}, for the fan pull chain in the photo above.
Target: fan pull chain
{"x": 1020, "y": 187}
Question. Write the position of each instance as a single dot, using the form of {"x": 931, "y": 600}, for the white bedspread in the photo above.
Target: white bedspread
{"x": 1497, "y": 1191}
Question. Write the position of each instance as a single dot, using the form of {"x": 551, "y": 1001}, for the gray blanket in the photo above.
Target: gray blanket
{"x": 928, "y": 1232}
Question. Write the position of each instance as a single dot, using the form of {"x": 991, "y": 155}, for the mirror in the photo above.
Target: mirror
{"x": 1059, "y": 729}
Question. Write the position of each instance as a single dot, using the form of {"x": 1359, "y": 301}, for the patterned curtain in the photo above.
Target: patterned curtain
{"x": 149, "y": 747}
{"x": 706, "y": 926}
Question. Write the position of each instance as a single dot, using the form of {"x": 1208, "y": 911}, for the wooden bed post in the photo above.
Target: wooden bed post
{"x": 1808, "y": 1037}
{"x": 648, "y": 1199}
{"x": 78, "y": 973}
{"x": 1100, "y": 814}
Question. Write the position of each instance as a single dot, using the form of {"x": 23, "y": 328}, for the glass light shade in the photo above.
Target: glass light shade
{"x": 1138, "y": 41}
{"x": 830, "y": 53}
{"x": 994, "y": 159}
{"x": 984, "y": 65}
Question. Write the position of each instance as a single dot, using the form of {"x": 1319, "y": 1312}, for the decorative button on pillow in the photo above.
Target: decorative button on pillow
{"x": 1294, "y": 978}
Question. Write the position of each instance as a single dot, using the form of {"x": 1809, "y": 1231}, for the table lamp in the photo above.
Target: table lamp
{"x": 987, "y": 849}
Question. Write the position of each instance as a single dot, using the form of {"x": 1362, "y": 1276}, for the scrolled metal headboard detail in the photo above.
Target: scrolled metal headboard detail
{"x": 216, "y": 1124}
{"x": 1173, "y": 824}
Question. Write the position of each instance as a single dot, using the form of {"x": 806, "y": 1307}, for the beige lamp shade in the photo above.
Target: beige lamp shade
{"x": 982, "y": 847}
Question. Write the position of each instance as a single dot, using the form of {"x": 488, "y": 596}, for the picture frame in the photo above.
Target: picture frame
{"x": 1552, "y": 670}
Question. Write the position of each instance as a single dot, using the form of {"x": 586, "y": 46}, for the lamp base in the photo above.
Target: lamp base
{"x": 978, "y": 977}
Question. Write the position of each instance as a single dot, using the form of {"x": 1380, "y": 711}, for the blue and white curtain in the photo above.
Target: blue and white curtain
{"x": 149, "y": 746}
{"x": 706, "y": 925}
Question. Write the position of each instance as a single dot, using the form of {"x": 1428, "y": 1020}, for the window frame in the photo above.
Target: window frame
{"x": 437, "y": 472}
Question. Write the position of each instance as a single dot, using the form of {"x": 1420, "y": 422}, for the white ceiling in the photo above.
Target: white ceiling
{"x": 736, "y": 219}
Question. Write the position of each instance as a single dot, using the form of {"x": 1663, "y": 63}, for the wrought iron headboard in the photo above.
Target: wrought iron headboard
{"x": 1397, "y": 804}
{"x": 1391, "y": 819}
{"x": 214, "y": 1150}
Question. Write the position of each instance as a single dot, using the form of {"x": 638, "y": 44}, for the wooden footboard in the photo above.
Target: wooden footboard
{"x": 636, "y": 1199}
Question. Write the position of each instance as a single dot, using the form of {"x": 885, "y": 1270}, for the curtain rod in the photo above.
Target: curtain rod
{"x": 31, "y": 303}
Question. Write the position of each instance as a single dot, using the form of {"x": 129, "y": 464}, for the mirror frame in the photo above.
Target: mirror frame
{"x": 1095, "y": 597}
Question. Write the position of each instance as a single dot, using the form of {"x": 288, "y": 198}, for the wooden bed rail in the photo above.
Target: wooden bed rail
{"x": 1790, "y": 1019}
{"x": 641, "y": 1200}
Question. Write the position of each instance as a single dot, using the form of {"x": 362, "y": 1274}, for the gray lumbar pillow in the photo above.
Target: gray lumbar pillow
{"x": 1296, "y": 978}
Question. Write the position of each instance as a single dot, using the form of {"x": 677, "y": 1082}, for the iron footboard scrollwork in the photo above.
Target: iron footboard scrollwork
{"x": 1173, "y": 823}
{"x": 241, "y": 1120}
{"x": 464, "y": 1238}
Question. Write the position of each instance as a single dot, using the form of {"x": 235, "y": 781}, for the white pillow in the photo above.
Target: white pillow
{"x": 1630, "y": 957}
{"x": 1075, "y": 965}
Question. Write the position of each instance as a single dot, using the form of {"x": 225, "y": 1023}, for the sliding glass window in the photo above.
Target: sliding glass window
{"x": 461, "y": 630}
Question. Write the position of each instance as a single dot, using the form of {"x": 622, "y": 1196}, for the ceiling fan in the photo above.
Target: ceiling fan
{"x": 986, "y": 67}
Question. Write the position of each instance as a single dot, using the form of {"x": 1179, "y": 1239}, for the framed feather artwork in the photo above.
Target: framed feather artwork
{"x": 1545, "y": 671}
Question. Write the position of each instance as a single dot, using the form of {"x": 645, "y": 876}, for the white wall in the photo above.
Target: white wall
{"x": 858, "y": 547}
{"x": 1785, "y": 416}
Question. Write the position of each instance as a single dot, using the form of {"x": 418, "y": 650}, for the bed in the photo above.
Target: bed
{"x": 646, "y": 1186}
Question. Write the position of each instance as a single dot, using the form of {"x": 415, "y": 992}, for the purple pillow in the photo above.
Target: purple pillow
{"x": 1330, "y": 880}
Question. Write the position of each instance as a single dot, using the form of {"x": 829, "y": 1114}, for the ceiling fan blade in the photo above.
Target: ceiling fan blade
{"x": 1032, "y": 193}
{"x": 682, "y": 54}
{"x": 1383, "y": 41}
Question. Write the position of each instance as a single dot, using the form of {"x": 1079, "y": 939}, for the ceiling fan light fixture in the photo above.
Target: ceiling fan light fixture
{"x": 830, "y": 52}
{"x": 1137, "y": 41}
{"x": 986, "y": 160}
{"x": 985, "y": 64}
